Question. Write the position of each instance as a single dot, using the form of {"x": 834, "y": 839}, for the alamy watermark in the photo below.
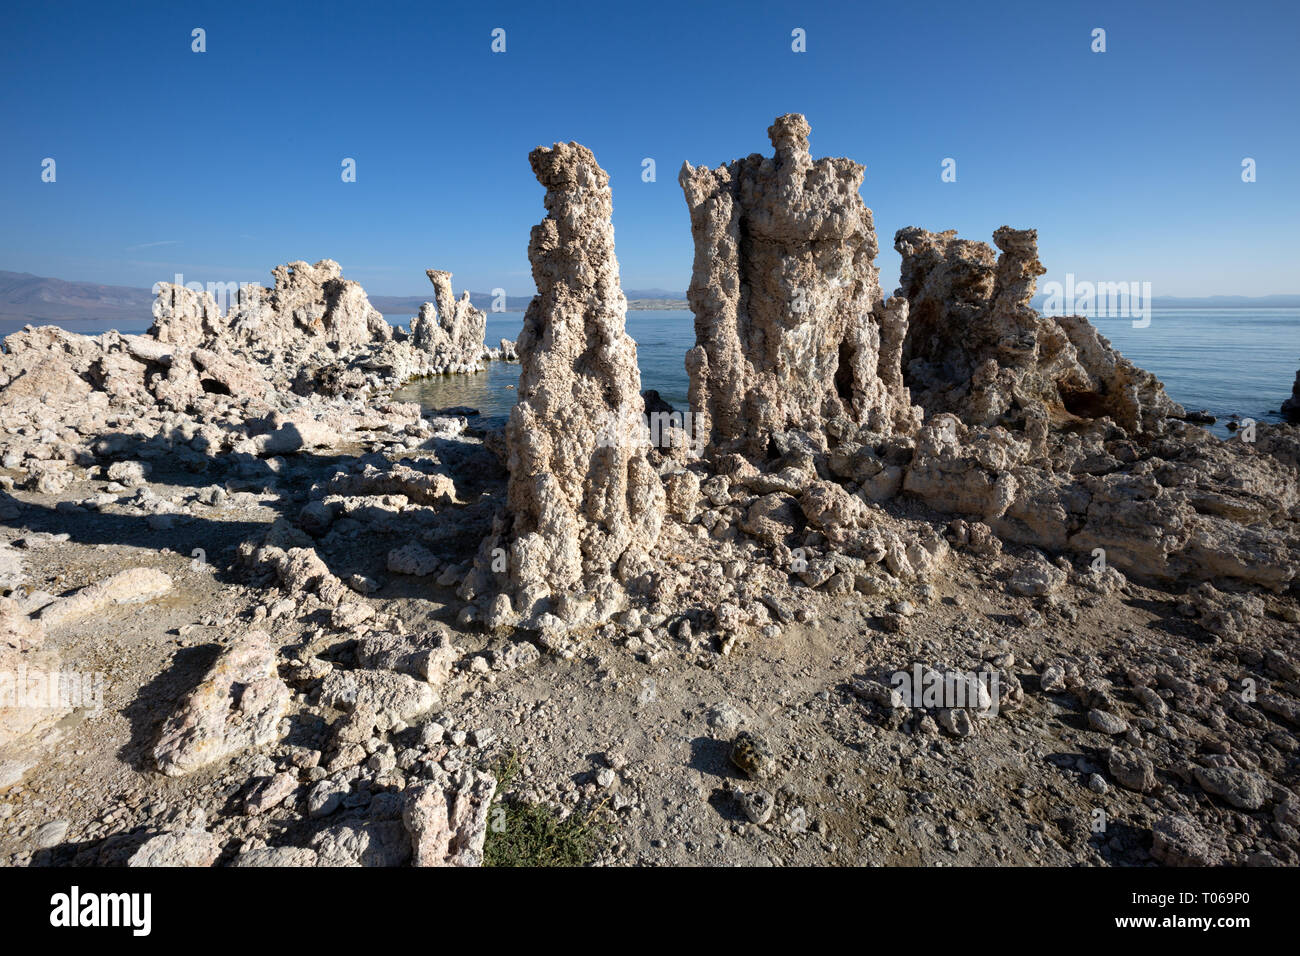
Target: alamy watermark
{"x": 1124, "y": 300}
{"x": 924, "y": 688}
{"x": 653, "y": 430}
{"x": 225, "y": 294}
{"x": 75, "y": 909}
{"x": 55, "y": 690}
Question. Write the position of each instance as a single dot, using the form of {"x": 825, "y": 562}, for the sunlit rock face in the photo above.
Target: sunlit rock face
{"x": 450, "y": 329}
{"x": 978, "y": 349}
{"x": 791, "y": 329}
{"x": 585, "y": 505}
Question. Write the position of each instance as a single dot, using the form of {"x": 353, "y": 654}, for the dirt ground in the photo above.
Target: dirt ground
{"x": 635, "y": 729}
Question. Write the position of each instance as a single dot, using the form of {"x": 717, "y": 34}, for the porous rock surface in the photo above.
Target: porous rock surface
{"x": 978, "y": 349}
{"x": 238, "y": 704}
{"x": 584, "y": 504}
{"x": 792, "y": 332}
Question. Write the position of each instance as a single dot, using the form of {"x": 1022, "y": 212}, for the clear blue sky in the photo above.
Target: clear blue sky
{"x": 222, "y": 164}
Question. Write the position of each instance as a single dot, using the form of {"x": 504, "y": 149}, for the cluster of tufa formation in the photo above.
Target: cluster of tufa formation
{"x": 1036, "y": 426}
{"x": 288, "y": 368}
{"x": 792, "y": 332}
{"x": 584, "y": 504}
{"x": 978, "y": 349}
{"x": 309, "y": 306}
{"x": 318, "y": 332}
{"x": 1005, "y": 523}
{"x": 451, "y": 329}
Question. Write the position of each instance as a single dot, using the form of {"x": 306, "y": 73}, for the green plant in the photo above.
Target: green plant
{"x": 531, "y": 834}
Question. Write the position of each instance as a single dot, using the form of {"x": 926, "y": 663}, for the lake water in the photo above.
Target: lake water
{"x": 1229, "y": 361}
{"x": 662, "y": 339}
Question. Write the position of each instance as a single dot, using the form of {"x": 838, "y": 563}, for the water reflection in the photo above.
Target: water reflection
{"x": 492, "y": 391}
{"x": 662, "y": 339}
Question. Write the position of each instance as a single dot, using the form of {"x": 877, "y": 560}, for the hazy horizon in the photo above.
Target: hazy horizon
{"x": 58, "y": 300}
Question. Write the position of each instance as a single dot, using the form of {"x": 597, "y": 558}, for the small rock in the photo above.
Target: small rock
{"x": 50, "y": 834}
{"x": 1179, "y": 841}
{"x": 1131, "y": 770}
{"x": 753, "y": 755}
{"x": 325, "y": 797}
{"x": 1105, "y": 722}
{"x": 725, "y": 718}
{"x": 270, "y": 792}
{"x": 177, "y": 848}
{"x": 757, "y": 806}
{"x": 1243, "y": 789}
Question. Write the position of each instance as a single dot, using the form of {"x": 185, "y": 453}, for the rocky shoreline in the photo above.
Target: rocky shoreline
{"x": 335, "y": 629}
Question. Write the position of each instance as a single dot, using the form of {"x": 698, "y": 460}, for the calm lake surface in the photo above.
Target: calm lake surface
{"x": 1229, "y": 361}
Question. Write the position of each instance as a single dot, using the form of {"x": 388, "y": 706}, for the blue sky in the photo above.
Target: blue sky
{"x": 222, "y": 164}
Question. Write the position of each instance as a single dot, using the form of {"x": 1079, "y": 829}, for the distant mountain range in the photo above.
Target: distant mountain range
{"x": 1214, "y": 302}
{"x": 28, "y": 298}
{"x": 39, "y": 300}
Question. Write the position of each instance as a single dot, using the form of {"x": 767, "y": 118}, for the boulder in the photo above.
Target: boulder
{"x": 238, "y": 704}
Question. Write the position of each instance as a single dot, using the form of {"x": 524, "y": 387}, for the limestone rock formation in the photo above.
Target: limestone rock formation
{"x": 193, "y": 390}
{"x": 311, "y": 317}
{"x": 311, "y": 306}
{"x": 315, "y": 331}
{"x": 60, "y": 380}
{"x": 184, "y": 316}
{"x": 203, "y": 384}
{"x": 791, "y": 328}
{"x": 977, "y": 348}
{"x": 504, "y": 352}
{"x": 1185, "y": 506}
{"x": 447, "y": 819}
{"x": 1052, "y": 438}
{"x": 450, "y": 329}
{"x": 1291, "y": 407}
{"x": 308, "y": 302}
{"x": 585, "y": 505}
{"x": 238, "y": 704}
